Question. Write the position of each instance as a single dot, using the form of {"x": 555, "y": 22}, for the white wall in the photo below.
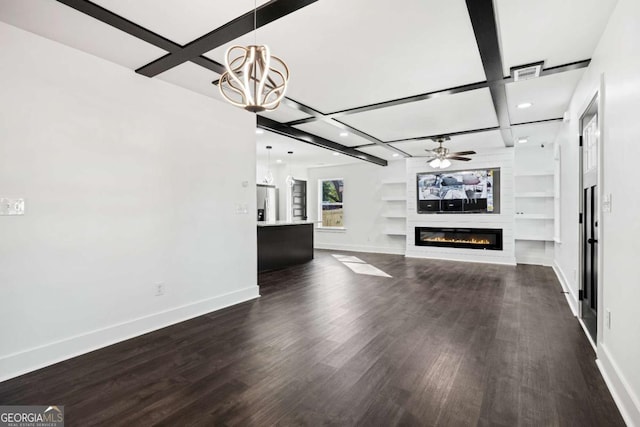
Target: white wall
{"x": 617, "y": 61}
{"x": 363, "y": 207}
{"x": 128, "y": 182}
{"x": 491, "y": 158}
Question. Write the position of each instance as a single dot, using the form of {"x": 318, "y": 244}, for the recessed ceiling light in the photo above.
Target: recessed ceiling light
{"x": 524, "y": 105}
{"x": 343, "y": 134}
{"x": 522, "y": 140}
{"x": 278, "y": 161}
{"x": 396, "y": 155}
{"x": 259, "y": 131}
{"x": 336, "y": 154}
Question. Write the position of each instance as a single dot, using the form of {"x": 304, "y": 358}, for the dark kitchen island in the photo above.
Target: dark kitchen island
{"x": 282, "y": 244}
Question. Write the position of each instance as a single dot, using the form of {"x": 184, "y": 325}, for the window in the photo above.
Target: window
{"x": 331, "y": 202}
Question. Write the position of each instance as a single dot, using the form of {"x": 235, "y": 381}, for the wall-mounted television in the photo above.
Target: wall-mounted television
{"x": 468, "y": 191}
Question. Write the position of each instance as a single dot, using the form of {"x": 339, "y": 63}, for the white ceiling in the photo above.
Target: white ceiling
{"x": 479, "y": 141}
{"x": 346, "y": 54}
{"x": 63, "y": 24}
{"x": 555, "y": 31}
{"x": 193, "y": 77}
{"x": 304, "y": 155}
{"x": 349, "y": 54}
{"x": 536, "y": 134}
{"x": 333, "y": 133}
{"x": 284, "y": 113}
{"x": 383, "y": 153}
{"x": 550, "y": 96}
{"x": 179, "y": 20}
{"x": 449, "y": 113}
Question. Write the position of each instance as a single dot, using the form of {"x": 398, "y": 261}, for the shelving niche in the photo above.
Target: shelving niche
{"x": 534, "y": 205}
{"x": 395, "y": 212}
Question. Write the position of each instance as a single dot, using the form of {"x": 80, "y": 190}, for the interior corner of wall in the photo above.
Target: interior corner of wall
{"x": 572, "y": 298}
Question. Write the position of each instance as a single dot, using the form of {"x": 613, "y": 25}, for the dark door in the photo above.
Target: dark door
{"x": 589, "y": 162}
{"x": 299, "y": 200}
{"x": 590, "y": 261}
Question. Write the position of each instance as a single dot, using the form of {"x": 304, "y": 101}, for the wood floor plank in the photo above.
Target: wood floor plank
{"x": 439, "y": 343}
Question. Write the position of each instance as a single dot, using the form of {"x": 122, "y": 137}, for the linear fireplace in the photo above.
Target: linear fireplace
{"x": 467, "y": 238}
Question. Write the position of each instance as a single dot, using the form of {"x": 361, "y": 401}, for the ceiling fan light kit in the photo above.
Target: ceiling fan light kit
{"x": 441, "y": 156}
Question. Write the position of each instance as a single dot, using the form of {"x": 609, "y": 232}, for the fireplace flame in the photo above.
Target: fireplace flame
{"x": 472, "y": 240}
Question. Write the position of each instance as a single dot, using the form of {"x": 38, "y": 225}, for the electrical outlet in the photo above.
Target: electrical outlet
{"x": 608, "y": 319}
{"x": 159, "y": 289}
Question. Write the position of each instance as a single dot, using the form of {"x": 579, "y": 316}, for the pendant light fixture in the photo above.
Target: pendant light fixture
{"x": 289, "y": 181}
{"x": 268, "y": 177}
{"x": 254, "y": 79}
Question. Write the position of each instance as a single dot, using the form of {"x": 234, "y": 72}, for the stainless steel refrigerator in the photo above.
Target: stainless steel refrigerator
{"x": 267, "y": 202}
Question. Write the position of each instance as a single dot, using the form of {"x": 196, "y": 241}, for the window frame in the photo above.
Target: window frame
{"x": 320, "y": 204}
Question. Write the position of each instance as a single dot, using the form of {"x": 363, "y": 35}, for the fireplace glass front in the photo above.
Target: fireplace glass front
{"x": 467, "y": 238}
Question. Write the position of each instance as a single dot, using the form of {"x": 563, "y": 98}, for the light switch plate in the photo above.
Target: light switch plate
{"x": 9, "y": 206}
{"x": 242, "y": 208}
{"x": 606, "y": 203}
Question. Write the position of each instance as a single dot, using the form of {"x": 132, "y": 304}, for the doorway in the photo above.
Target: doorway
{"x": 299, "y": 200}
{"x": 589, "y": 217}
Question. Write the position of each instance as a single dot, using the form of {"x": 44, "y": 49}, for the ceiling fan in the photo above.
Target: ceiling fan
{"x": 441, "y": 155}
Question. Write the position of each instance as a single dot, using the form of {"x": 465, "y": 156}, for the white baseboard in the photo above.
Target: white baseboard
{"x": 461, "y": 259}
{"x": 547, "y": 262}
{"x": 628, "y": 403}
{"x": 359, "y": 248}
{"x": 587, "y": 334}
{"x": 20, "y": 363}
{"x": 572, "y": 298}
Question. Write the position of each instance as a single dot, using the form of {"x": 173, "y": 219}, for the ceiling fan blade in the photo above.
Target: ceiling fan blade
{"x": 431, "y": 159}
{"x": 464, "y": 159}
{"x": 463, "y": 153}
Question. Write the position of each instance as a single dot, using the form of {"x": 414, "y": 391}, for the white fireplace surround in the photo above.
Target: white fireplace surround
{"x": 502, "y": 158}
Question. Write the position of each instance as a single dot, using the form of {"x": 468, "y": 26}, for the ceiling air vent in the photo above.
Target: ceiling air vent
{"x": 526, "y": 72}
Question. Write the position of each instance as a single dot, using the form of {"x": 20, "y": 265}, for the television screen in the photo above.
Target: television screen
{"x": 470, "y": 191}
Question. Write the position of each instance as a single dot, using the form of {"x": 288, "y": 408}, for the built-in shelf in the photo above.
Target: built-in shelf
{"x": 533, "y": 194}
{"x": 540, "y": 173}
{"x": 533, "y": 216}
{"x": 395, "y": 221}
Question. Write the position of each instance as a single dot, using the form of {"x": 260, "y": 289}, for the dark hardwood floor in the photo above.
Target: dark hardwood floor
{"x": 439, "y": 343}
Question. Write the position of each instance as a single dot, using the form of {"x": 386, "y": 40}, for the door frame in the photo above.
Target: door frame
{"x": 598, "y": 96}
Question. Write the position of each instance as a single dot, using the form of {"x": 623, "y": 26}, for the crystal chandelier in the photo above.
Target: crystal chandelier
{"x": 254, "y": 79}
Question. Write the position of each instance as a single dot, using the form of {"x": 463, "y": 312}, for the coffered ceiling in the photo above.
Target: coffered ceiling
{"x": 366, "y": 75}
